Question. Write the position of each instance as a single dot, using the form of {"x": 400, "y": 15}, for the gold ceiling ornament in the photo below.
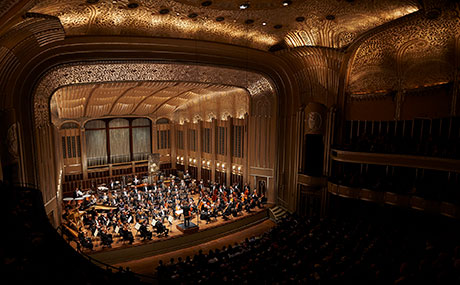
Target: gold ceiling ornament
{"x": 329, "y": 23}
{"x": 415, "y": 53}
{"x": 113, "y": 88}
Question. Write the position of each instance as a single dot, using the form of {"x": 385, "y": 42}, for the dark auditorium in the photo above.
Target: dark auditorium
{"x": 230, "y": 142}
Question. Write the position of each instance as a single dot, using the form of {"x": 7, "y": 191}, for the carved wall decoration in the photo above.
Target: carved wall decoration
{"x": 106, "y": 72}
{"x": 414, "y": 53}
{"x": 317, "y": 71}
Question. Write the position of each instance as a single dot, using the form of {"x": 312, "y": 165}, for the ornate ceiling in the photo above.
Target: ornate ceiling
{"x": 417, "y": 52}
{"x": 181, "y": 101}
{"x": 329, "y": 23}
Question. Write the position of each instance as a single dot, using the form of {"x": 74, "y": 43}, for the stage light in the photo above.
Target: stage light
{"x": 287, "y": 3}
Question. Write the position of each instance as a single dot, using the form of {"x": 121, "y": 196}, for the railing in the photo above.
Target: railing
{"x": 403, "y": 160}
{"x": 390, "y": 198}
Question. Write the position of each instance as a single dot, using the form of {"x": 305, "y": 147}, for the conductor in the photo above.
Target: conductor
{"x": 186, "y": 209}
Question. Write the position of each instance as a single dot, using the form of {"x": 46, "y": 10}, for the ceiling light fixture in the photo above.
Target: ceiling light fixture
{"x": 300, "y": 19}
{"x": 206, "y": 3}
{"x": 192, "y": 15}
{"x": 244, "y": 6}
{"x": 264, "y": 24}
{"x": 287, "y": 3}
{"x": 220, "y": 19}
{"x": 249, "y": 21}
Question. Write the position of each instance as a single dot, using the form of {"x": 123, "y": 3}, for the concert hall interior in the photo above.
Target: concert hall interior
{"x": 264, "y": 141}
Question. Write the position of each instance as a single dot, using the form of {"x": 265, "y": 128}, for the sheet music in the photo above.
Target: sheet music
{"x": 96, "y": 232}
{"x": 117, "y": 229}
{"x": 137, "y": 226}
{"x": 154, "y": 222}
{"x": 170, "y": 219}
{"x": 130, "y": 218}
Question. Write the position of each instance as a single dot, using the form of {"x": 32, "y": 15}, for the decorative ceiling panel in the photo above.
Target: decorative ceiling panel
{"x": 415, "y": 53}
{"x": 330, "y": 23}
{"x": 175, "y": 100}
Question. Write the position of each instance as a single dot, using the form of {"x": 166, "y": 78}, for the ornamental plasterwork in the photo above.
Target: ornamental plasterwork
{"x": 330, "y": 23}
{"x": 418, "y": 52}
{"x": 110, "y": 72}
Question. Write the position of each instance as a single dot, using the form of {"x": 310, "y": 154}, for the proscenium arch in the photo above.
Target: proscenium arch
{"x": 257, "y": 85}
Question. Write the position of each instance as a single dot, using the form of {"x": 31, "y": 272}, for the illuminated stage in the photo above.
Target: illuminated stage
{"x": 121, "y": 252}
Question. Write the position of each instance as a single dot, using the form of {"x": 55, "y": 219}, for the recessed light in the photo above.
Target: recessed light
{"x": 264, "y": 24}
{"x": 92, "y": 1}
{"x": 192, "y": 15}
{"x": 277, "y": 26}
{"x": 249, "y": 21}
{"x": 164, "y": 11}
{"x": 330, "y": 17}
{"x": 300, "y": 19}
{"x": 244, "y": 6}
{"x": 206, "y": 3}
{"x": 220, "y": 19}
{"x": 287, "y": 2}
{"x": 133, "y": 5}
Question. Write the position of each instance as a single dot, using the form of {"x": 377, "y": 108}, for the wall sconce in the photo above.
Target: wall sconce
{"x": 239, "y": 168}
{"x": 218, "y": 164}
{"x": 234, "y": 167}
{"x": 194, "y": 160}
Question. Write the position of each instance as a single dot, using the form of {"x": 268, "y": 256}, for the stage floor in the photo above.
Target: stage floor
{"x": 118, "y": 243}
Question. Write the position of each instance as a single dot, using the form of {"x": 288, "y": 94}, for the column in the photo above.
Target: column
{"x": 186, "y": 146}
{"x": 154, "y": 138}
{"x": 213, "y": 149}
{"x": 84, "y": 161}
{"x": 228, "y": 162}
{"x": 199, "y": 149}
{"x": 172, "y": 139}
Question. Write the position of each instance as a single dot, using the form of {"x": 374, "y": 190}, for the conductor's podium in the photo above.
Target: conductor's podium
{"x": 190, "y": 229}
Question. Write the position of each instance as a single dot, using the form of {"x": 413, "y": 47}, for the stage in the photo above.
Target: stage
{"x": 121, "y": 252}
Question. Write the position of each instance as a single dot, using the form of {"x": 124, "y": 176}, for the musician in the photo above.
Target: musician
{"x": 136, "y": 181}
{"x": 78, "y": 193}
{"x": 126, "y": 234}
{"x": 186, "y": 209}
{"x": 145, "y": 233}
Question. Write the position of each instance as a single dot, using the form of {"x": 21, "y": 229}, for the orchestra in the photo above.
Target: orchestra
{"x": 140, "y": 209}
